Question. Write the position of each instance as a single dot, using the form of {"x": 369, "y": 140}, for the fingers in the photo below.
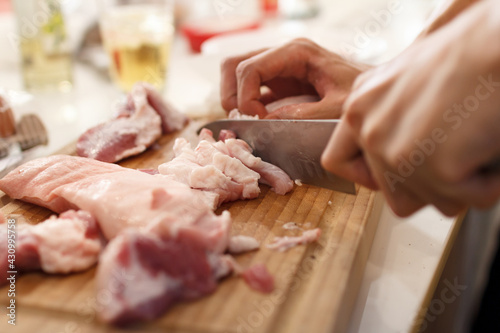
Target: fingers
{"x": 228, "y": 83}
{"x": 343, "y": 157}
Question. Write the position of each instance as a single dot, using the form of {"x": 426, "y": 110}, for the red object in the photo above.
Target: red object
{"x": 269, "y": 6}
{"x": 258, "y": 278}
{"x": 198, "y": 31}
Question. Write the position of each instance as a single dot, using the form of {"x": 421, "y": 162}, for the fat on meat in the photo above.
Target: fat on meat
{"x": 242, "y": 243}
{"x": 64, "y": 244}
{"x": 282, "y": 244}
{"x": 145, "y": 273}
{"x": 230, "y": 165}
{"x": 207, "y": 178}
{"x": 140, "y": 121}
{"x": 166, "y": 243}
{"x": 117, "y": 197}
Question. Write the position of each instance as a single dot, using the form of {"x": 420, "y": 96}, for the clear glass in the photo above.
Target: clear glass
{"x": 43, "y": 45}
{"x": 137, "y": 36}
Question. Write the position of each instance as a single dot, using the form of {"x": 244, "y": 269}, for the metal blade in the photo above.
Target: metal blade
{"x": 293, "y": 145}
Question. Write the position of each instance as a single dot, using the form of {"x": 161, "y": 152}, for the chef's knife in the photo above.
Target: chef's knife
{"x": 293, "y": 145}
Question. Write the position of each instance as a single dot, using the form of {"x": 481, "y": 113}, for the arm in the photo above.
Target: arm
{"x": 444, "y": 14}
{"x": 422, "y": 127}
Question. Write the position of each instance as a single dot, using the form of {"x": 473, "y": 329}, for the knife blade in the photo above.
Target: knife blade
{"x": 293, "y": 145}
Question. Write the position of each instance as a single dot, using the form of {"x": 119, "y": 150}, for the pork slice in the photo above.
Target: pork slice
{"x": 208, "y": 154}
{"x": 270, "y": 174}
{"x": 292, "y": 100}
{"x": 282, "y": 244}
{"x": 242, "y": 243}
{"x": 145, "y": 273}
{"x": 171, "y": 119}
{"x": 208, "y": 178}
{"x": 117, "y": 197}
{"x": 258, "y": 278}
{"x": 129, "y": 134}
{"x": 226, "y": 134}
{"x": 236, "y": 114}
{"x": 64, "y": 244}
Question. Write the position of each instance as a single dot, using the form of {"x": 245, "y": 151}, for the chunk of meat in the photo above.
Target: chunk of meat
{"x": 241, "y": 244}
{"x": 166, "y": 243}
{"x": 282, "y": 244}
{"x": 64, "y": 244}
{"x": 117, "y": 197}
{"x": 258, "y": 278}
{"x": 171, "y": 119}
{"x": 236, "y": 114}
{"x": 144, "y": 274}
{"x": 136, "y": 128}
{"x": 186, "y": 169}
{"x": 207, "y": 168}
{"x": 226, "y": 134}
{"x": 273, "y": 106}
{"x": 139, "y": 123}
{"x": 270, "y": 174}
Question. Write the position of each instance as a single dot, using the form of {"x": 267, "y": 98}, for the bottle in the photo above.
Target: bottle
{"x": 298, "y": 9}
{"x": 43, "y": 45}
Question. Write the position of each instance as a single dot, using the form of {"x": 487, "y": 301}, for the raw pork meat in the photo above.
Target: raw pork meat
{"x": 139, "y": 123}
{"x": 227, "y": 168}
{"x": 241, "y": 244}
{"x": 273, "y": 106}
{"x": 109, "y": 191}
{"x": 143, "y": 215}
{"x": 64, "y": 244}
{"x": 145, "y": 274}
{"x": 259, "y": 278}
{"x": 282, "y": 244}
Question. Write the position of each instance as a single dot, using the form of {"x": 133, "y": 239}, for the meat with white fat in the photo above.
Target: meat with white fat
{"x": 64, "y": 244}
{"x": 282, "y": 244}
{"x": 139, "y": 123}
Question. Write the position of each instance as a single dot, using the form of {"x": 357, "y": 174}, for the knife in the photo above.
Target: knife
{"x": 293, "y": 145}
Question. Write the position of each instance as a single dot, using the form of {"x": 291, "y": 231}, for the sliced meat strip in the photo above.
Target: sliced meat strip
{"x": 282, "y": 244}
{"x": 241, "y": 244}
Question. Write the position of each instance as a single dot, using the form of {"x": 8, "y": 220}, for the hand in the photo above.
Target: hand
{"x": 300, "y": 67}
{"x": 422, "y": 127}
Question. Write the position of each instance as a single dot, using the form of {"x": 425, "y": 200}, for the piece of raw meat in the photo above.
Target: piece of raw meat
{"x": 208, "y": 178}
{"x": 207, "y": 168}
{"x": 140, "y": 121}
{"x": 145, "y": 273}
{"x": 171, "y": 119}
{"x": 241, "y": 244}
{"x": 163, "y": 234}
{"x": 236, "y": 114}
{"x": 282, "y": 244}
{"x": 273, "y": 106}
{"x": 258, "y": 278}
{"x": 117, "y": 197}
{"x": 64, "y": 244}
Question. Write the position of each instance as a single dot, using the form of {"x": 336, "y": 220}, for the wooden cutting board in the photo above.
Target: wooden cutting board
{"x": 316, "y": 285}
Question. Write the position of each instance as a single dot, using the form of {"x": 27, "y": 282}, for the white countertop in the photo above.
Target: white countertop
{"x": 406, "y": 255}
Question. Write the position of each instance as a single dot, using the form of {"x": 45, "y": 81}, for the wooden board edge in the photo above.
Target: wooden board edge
{"x": 450, "y": 240}
{"x": 359, "y": 263}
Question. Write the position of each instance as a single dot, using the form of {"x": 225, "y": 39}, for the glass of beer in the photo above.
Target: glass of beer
{"x": 137, "y": 35}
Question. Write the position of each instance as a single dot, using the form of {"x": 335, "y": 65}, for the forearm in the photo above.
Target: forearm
{"x": 448, "y": 10}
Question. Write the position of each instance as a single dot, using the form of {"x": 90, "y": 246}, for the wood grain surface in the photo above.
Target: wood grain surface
{"x": 316, "y": 285}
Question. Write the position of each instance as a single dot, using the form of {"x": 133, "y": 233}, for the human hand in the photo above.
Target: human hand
{"x": 299, "y": 67}
{"x": 422, "y": 127}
